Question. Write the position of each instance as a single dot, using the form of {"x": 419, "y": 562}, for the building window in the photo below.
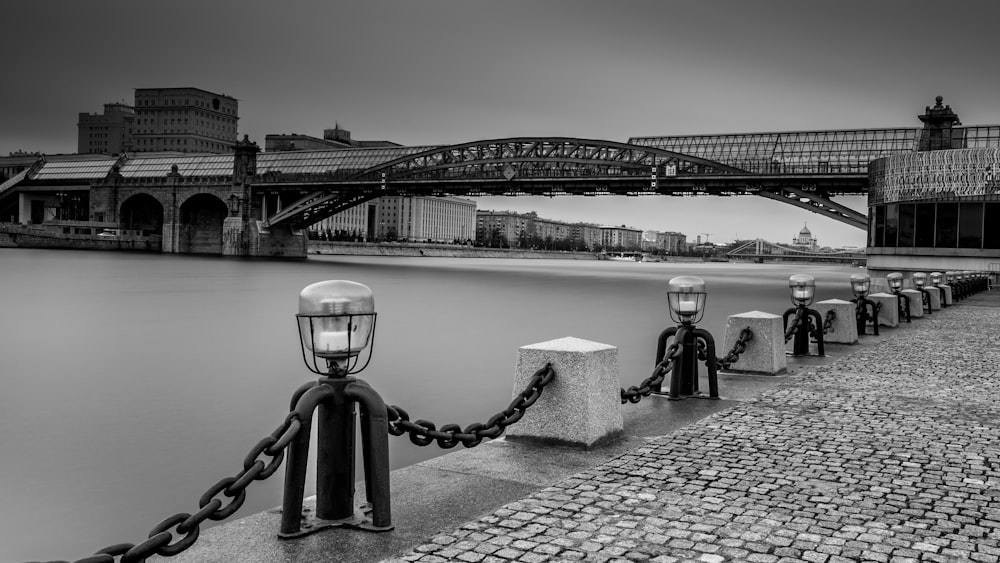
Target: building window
{"x": 991, "y": 222}
{"x": 947, "y": 225}
{"x": 891, "y": 224}
{"x": 970, "y": 225}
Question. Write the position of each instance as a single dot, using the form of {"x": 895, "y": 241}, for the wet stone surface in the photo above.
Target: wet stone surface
{"x": 888, "y": 454}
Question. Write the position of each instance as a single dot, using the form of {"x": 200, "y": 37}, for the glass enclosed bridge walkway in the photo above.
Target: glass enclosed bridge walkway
{"x": 805, "y": 168}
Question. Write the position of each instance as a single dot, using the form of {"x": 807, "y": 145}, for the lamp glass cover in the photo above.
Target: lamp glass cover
{"x": 860, "y": 284}
{"x": 803, "y": 288}
{"x": 895, "y": 280}
{"x": 336, "y": 318}
{"x": 686, "y": 298}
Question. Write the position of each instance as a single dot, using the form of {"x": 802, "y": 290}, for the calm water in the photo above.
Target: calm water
{"x": 133, "y": 382}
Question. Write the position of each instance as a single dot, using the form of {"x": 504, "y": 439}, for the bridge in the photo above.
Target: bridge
{"x": 256, "y": 204}
{"x": 761, "y": 251}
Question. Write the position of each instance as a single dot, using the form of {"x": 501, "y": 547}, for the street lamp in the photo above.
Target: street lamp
{"x": 686, "y": 298}
{"x": 895, "y": 281}
{"x": 919, "y": 280}
{"x": 807, "y": 321}
{"x": 861, "y": 285}
{"x": 336, "y": 323}
{"x": 937, "y": 280}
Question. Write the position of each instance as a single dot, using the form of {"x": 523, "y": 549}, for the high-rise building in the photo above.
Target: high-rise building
{"x": 425, "y": 219}
{"x": 184, "y": 120}
{"x": 107, "y": 133}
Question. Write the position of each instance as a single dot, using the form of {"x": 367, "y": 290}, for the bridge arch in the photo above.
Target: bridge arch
{"x": 516, "y": 165}
{"x": 543, "y": 157}
{"x": 141, "y": 212}
{"x": 200, "y": 225}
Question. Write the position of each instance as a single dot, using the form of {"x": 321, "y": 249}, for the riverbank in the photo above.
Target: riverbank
{"x": 455, "y": 251}
{"x": 883, "y": 451}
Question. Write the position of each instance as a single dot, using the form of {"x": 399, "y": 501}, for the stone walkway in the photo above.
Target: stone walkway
{"x": 888, "y": 454}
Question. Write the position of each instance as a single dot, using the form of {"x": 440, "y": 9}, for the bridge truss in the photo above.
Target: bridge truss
{"x": 542, "y": 166}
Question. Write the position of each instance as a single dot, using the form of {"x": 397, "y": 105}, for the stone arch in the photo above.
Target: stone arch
{"x": 143, "y": 213}
{"x": 200, "y": 225}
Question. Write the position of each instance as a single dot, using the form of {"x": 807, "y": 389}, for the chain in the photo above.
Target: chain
{"x": 211, "y": 505}
{"x": 635, "y": 394}
{"x": 740, "y": 346}
{"x": 423, "y": 432}
{"x": 831, "y": 316}
{"x": 794, "y": 326}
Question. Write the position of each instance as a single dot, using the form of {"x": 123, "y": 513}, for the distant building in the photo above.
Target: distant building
{"x": 528, "y": 230}
{"x": 669, "y": 242}
{"x": 425, "y": 219}
{"x": 805, "y": 239}
{"x": 106, "y": 133}
{"x": 621, "y": 238}
{"x": 336, "y": 138}
{"x": 351, "y": 224}
{"x": 184, "y": 120}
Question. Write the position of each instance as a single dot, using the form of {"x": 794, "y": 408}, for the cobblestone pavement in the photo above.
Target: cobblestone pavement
{"x": 889, "y": 454}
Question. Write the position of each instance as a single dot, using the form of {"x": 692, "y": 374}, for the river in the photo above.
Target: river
{"x": 133, "y": 382}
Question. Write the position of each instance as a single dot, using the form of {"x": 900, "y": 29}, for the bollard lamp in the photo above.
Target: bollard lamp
{"x": 936, "y": 278}
{"x": 949, "y": 276}
{"x": 895, "y": 281}
{"x": 861, "y": 284}
{"x": 686, "y": 299}
{"x": 803, "y": 288}
{"x": 919, "y": 279}
{"x": 336, "y": 321}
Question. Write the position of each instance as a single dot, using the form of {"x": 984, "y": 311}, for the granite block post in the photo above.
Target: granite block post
{"x": 844, "y": 329}
{"x": 946, "y": 297}
{"x": 933, "y": 297}
{"x": 581, "y": 407}
{"x": 888, "y": 313}
{"x": 765, "y": 353}
{"x": 916, "y": 302}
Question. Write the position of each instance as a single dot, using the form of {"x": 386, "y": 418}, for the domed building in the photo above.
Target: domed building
{"x": 805, "y": 239}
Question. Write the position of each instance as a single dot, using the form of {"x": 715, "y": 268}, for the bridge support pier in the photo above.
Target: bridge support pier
{"x": 248, "y": 238}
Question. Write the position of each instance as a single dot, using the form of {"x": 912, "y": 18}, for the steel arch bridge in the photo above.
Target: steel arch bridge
{"x": 539, "y": 166}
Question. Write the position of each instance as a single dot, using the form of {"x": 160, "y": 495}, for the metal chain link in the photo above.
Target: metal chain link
{"x": 793, "y": 326}
{"x": 161, "y": 540}
{"x": 423, "y": 432}
{"x": 831, "y": 316}
{"x": 635, "y": 394}
{"x": 740, "y": 346}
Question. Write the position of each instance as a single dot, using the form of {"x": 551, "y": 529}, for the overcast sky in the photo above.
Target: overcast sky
{"x": 444, "y": 72}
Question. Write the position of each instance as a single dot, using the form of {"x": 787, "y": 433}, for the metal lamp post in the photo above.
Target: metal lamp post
{"x": 336, "y": 322}
{"x": 919, "y": 281}
{"x": 807, "y": 321}
{"x": 686, "y": 298}
{"x": 895, "y": 281}
{"x": 861, "y": 286}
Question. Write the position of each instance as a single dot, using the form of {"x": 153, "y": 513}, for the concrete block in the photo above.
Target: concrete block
{"x": 934, "y": 297}
{"x": 916, "y": 302}
{"x": 581, "y": 407}
{"x": 888, "y": 313}
{"x": 765, "y": 353}
{"x": 946, "y": 297}
{"x": 845, "y": 327}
